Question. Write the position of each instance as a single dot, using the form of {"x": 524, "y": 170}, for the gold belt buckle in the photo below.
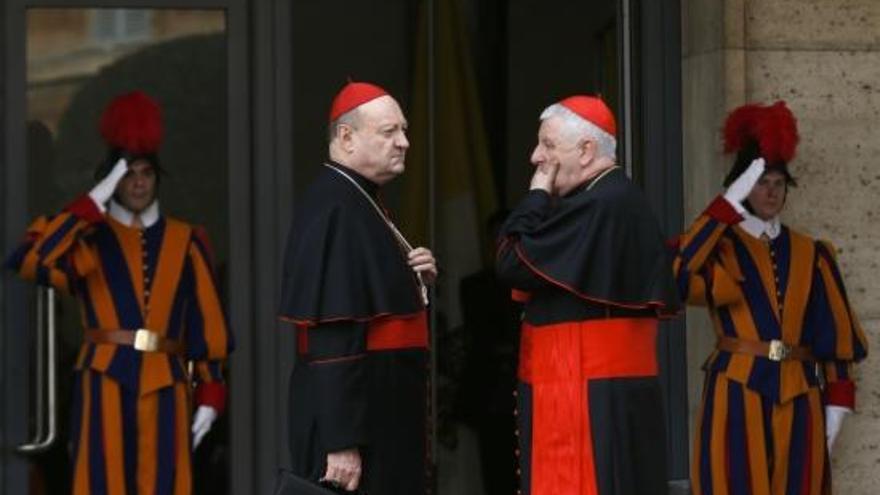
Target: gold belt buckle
{"x": 779, "y": 351}
{"x": 146, "y": 340}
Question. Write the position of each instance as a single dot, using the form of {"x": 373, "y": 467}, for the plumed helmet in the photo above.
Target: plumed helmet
{"x": 131, "y": 125}
{"x": 767, "y": 131}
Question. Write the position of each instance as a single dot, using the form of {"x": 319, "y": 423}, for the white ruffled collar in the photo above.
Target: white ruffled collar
{"x": 755, "y": 227}
{"x": 123, "y": 215}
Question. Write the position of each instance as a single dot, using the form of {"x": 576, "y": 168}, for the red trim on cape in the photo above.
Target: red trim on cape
{"x": 657, "y": 306}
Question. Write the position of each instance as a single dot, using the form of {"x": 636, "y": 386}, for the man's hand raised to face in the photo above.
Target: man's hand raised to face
{"x": 544, "y": 177}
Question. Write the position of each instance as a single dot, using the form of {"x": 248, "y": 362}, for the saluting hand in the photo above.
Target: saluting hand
{"x": 545, "y": 177}
{"x": 740, "y": 188}
{"x": 103, "y": 191}
{"x": 344, "y": 469}
{"x": 422, "y": 262}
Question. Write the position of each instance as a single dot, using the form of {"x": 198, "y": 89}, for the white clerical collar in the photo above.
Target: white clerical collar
{"x": 755, "y": 227}
{"x": 123, "y": 215}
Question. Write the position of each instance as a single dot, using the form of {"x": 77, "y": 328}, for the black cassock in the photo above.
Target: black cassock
{"x": 360, "y": 378}
{"x": 596, "y": 278}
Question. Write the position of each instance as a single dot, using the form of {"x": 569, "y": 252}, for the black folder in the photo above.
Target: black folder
{"x": 291, "y": 484}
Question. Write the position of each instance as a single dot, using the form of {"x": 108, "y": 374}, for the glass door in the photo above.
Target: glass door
{"x": 75, "y": 61}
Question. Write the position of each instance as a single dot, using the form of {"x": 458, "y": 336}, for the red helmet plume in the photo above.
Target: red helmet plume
{"x": 773, "y": 128}
{"x": 133, "y": 122}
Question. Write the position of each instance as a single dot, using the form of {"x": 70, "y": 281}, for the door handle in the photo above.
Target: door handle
{"x": 46, "y": 430}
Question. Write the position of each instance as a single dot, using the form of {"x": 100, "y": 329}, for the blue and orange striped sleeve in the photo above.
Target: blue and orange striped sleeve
{"x": 839, "y": 338}
{"x": 208, "y": 338}
{"x": 52, "y": 252}
{"x": 693, "y": 277}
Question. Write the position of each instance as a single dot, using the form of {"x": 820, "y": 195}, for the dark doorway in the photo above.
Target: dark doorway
{"x": 497, "y": 65}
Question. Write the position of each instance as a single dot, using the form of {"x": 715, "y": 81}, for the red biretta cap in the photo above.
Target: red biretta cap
{"x": 593, "y": 110}
{"x": 353, "y": 95}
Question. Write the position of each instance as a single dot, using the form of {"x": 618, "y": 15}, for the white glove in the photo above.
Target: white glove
{"x": 103, "y": 191}
{"x": 202, "y": 421}
{"x": 742, "y": 186}
{"x": 834, "y": 416}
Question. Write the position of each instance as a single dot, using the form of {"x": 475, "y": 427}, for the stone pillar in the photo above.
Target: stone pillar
{"x": 703, "y": 101}
{"x": 823, "y": 59}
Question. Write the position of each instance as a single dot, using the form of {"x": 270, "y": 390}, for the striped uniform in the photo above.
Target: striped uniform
{"x": 130, "y": 430}
{"x": 761, "y": 428}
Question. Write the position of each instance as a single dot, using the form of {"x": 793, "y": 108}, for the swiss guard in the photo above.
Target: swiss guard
{"x": 779, "y": 381}
{"x": 148, "y": 296}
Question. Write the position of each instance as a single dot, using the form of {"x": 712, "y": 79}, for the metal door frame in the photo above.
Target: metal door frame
{"x": 651, "y": 80}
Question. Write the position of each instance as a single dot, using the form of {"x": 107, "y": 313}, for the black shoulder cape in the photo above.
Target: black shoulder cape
{"x": 601, "y": 243}
{"x": 341, "y": 261}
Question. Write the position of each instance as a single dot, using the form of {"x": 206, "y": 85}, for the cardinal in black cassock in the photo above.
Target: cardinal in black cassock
{"x": 586, "y": 255}
{"x": 355, "y": 291}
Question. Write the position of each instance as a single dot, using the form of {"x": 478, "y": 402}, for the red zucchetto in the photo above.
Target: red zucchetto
{"x": 593, "y": 110}
{"x": 353, "y": 95}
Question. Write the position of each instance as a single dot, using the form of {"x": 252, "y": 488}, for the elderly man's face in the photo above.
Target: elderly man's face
{"x": 379, "y": 140}
{"x": 768, "y": 196}
{"x": 555, "y": 146}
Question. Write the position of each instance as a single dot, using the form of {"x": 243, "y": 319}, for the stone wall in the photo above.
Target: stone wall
{"x": 823, "y": 58}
